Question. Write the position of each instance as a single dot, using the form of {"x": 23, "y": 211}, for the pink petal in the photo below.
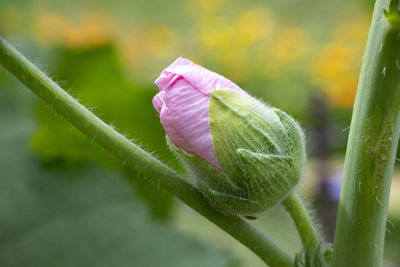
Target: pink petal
{"x": 183, "y": 105}
{"x": 158, "y": 101}
{"x": 184, "y": 117}
{"x": 201, "y": 78}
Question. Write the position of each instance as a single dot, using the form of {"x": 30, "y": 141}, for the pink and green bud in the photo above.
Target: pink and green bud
{"x": 183, "y": 106}
{"x": 245, "y": 156}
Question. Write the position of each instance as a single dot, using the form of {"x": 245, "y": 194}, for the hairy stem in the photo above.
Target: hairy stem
{"x": 371, "y": 148}
{"x": 308, "y": 235}
{"x": 134, "y": 156}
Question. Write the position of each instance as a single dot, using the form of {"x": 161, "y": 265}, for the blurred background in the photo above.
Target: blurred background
{"x": 66, "y": 202}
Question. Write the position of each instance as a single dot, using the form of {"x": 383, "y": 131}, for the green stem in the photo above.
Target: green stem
{"x": 371, "y": 149}
{"x": 134, "y": 156}
{"x": 308, "y": 235}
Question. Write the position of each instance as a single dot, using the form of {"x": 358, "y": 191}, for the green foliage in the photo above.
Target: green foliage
{"x": 78, "y": 216}
{"x": 157, "y": 199}
{"x": 96, "y": 79}
{"x": 321, "y": 257}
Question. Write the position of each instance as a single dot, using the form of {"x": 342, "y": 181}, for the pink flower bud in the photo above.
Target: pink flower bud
{"x": 183, "y": 106}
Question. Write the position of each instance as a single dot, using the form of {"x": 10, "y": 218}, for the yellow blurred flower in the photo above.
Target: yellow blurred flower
{"x": 254, "y": 25}
{"x": 232, "y": 41}
{"x": 336, "y": 66}
{"x": 52, "y": 29}
{"x": 342, "y": 91}
{"x": 290, "y": 44}
{"x": 334, "y": 60}
{"x": 243, "y": 44}
{"x": 356, "y": 31}
{"x": 215, "y": 32}
{"x": 96, "y": 29}
{"x": 161, "y": 41}
{"x": 130, "y": 49}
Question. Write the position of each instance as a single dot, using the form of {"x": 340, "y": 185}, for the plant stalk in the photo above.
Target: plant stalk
{"x": 135, "y": 157}
{"x": 308, "y": 235}
{"x": 371, "y": 149}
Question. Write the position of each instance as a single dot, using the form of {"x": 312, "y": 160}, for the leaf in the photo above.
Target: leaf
{"x": 78, "y": 216}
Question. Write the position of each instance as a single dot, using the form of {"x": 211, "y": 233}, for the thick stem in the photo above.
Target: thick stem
{"x": 308, "y": 235}
{"x": 371, "y": 149}
{"x": 134, "y": 156}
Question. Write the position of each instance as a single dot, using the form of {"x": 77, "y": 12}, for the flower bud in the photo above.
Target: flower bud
{"x": 245, "y": 156}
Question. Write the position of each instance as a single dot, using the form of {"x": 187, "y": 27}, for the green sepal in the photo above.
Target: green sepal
{"x": 295, "y": 141}
{"x": 229, "y": 204}
{"x": 201, "y": 170}
{"x": 260, "y": 150}
{"x": 222, "y": 197}
{"x": 270, "y": 178}
{"x": 240, "y": 121}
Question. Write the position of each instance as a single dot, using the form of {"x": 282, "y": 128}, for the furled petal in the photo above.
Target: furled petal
{"x": 184, "y": 116}
{"x": 158, "y": 101}
{"x": 183, "y": 105}
{"x": 201, "y": 78}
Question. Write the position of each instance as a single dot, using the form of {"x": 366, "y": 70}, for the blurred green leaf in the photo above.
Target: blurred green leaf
{"x": 160, "y": 204}
{"x": 95, "y": 77}
{"x": 79, "y": 216}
